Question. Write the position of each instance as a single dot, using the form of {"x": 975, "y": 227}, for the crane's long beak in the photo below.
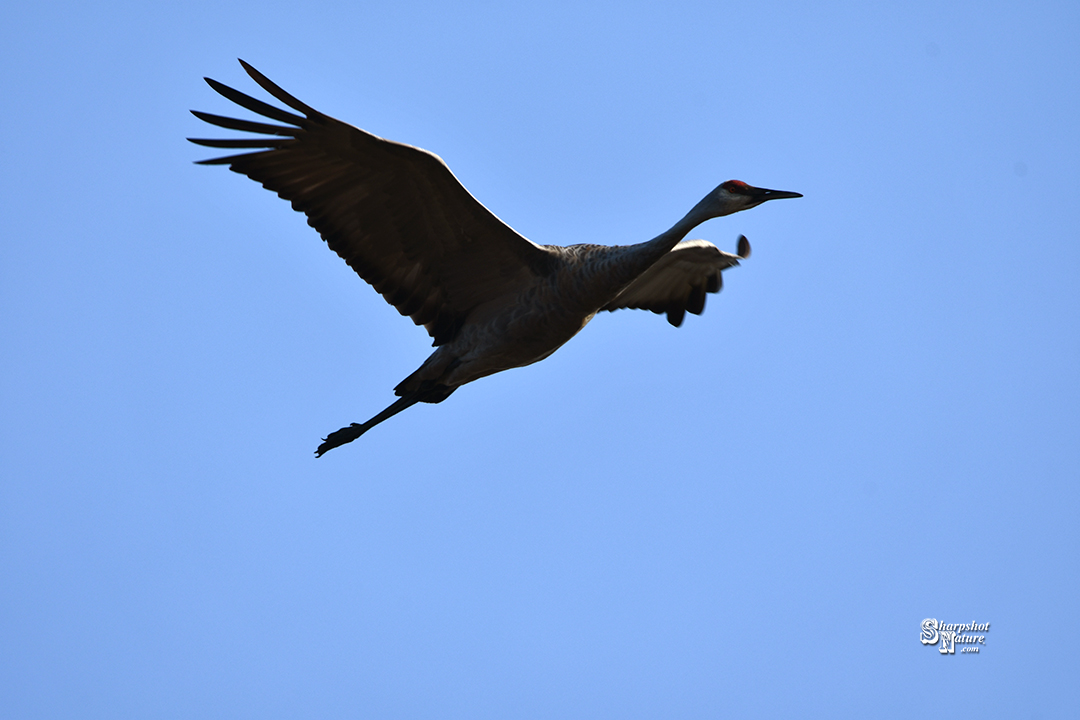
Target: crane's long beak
{"x": 775, "y": 194}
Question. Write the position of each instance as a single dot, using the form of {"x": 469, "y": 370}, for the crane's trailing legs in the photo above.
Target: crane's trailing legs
{"x": 429, "y": 392}
{"x": 355, "y": 430}
{"x": 350, "y": 433}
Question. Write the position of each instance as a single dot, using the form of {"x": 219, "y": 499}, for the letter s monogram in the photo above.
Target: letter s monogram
{"x": 929, "y": 635}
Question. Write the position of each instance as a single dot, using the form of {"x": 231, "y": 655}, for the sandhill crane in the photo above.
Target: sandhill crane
{"x": 490, "y": 299}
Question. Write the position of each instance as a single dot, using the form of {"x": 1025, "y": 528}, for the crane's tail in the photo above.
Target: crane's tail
{"x": 350, "y": 433}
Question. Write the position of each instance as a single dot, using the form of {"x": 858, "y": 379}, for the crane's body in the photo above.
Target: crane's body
{"x": 532, "y": 324}
{"x": 490, "y": 299}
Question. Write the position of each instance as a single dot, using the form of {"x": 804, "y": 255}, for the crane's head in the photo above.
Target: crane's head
{"x": 735, "y": 195}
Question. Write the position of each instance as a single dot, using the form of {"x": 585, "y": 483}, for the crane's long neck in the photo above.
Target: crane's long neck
{"x": 642, "y": 256}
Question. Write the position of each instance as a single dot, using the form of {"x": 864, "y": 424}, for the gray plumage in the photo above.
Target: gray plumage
{"x": 490, "y": 299}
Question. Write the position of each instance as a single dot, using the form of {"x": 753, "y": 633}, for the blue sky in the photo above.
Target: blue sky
{"x": 875, "y": 423}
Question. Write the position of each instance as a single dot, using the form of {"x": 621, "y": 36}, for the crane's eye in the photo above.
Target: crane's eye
{"x": 737, "y": 187}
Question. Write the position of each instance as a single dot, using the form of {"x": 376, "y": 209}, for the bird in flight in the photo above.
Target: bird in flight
{"x": 490, "y": 299}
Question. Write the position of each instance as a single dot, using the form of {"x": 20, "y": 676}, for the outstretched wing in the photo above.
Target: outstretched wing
{"x": 393, "y": 212}
{"x": 678, "y": 282}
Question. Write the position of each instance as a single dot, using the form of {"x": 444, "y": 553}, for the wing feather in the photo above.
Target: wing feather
{"x": 393, "y": 212}
{"x": 678, "y": 283}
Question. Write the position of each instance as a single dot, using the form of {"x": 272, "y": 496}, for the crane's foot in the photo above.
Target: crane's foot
{"x": 348, "y": 434}
{"x": 340, "y": 437}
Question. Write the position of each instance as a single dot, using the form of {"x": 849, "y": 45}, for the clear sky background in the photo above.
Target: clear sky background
{"x": 877, "y": 421}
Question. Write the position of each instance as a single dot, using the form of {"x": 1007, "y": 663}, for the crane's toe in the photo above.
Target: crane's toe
{"x": 340, "y": 437}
